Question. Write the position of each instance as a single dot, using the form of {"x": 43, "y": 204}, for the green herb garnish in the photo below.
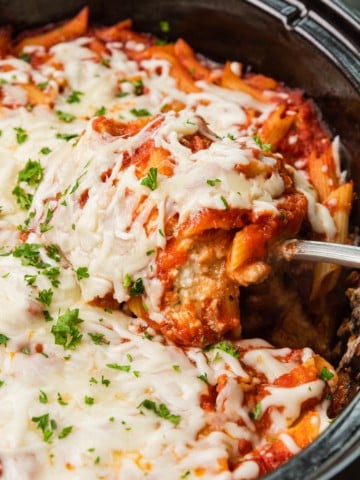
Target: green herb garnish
{"x": 160, "y": 410}
{"x": 65, "y": 330}
{"x": 140, "y": 112}
{"x": 266, "y": 147}
{"x": 151, "y": 179}
{"x": 21, "y": 135}
{"x": 74, "y": 97}
{"x": 82, "y": 272}
{"x": 325, "y": 374}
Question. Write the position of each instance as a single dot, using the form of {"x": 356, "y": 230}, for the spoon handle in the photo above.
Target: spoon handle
{"x": 345, "y": 255}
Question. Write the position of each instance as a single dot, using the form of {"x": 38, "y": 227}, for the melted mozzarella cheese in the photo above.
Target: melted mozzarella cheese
{"x": 97, "y": 391}
{"x": 121, "y": 402}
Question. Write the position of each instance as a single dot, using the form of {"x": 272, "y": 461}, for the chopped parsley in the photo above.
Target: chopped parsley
{"x": 176, "y": 368}
{"x": 25, "y": 350}
{"x": 100, "y": 111}
{"x": 65, "y": 432}
{"x": 129, "y": 357}
{"x": 225, "y": 202}
{"x": 45, "y": 150}
{"x": 61, "y": 401}
{"x": 66, "y": 136}
{"x": 30, "y": 279}
{"x": 89, "y": 400}
{"x": 325, "y": 374}
{"x": 212, "y": 183}
{"x": 52, "y": 274}
{"x": 32, "y": 173}
{"x": 82, "y": 272}
{"x": 65, "y": 330}
{"x": 3, "y": 339}
{"x": 266, "y": 147}
{"x": 228, "y": 347}
{"x": 23, "y": 199}
{"x": 2, "y": 382}
{"x": 137, "y": 288}
{"x": 148, "y": 336}
{"x": 149, "y": 252}
{"x": 160, "y": 410}
{"x": 21, "y": 135}
{"x": 151, "y": 179}
{"x": 164, "y": 26}
{"x": 45, "y": 296}
{"x": 140, "y": 112}
{"x": 46, "y": 425}
{"x": 25, "y": 56}
{"x": 127, "y": 281}
{"x": 116, "y": 366}
{"x": 204, "y": 378}
{"x": 53, "y": 252}
{"x": 43, "y": 397}
{"x": 185, "y": 474}
{"x": 43, "y": 85}
{"x": 138, "y": 87}
{"x": 29, "y": 254}
{"x": 122, "y": 94}
{"x": 74, "y": 97}
{"x": 256, "y": 413}
{"x": 44, "y": 226}
{"x": 65, "y": 116}
{"x": 105, "y": 62}
{"x": 105, "y": 381}
{"x": 99, "y": 338}
{"x": 231, "y": 136}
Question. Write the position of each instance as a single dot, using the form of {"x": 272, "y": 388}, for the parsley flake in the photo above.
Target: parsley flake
{"x": 138, "y": 87}
{"x": 82, "y": 272}
{"x": 45, "y": 296}
{"x": 74, "y": 97}
{"x": 21, "y": 135}
{"x": 116, "y": 366}
{"x": 23, "y": 199}
{"x": 256, "y": 413}
{"x": 32, "y": 173}
{"x": 137, "y": 288}
{"x": 66, "y": 136}
{"x": 65, "y": 116}
{"x": 43, "y": 397}
{"x": 225, "y": 202}
{"x": 266, "y": 147}
{"x": 3, "y": 339}
{"x": 140, "y": 112}
{"x": 65, "y": 330}
{"x": 151, "y": 179}
{"x": 160, "y": 410}
{"x": 45, "y": 150}
{"x": 65, "y": 432}
{"x": 229, "y": 348}
{"x": 325, "y": 374}
{"x": 98, "y": 338}
{"x": 212, "y": 183}
{"x": 204, "y": 378}
{"x": 100, "y": 111}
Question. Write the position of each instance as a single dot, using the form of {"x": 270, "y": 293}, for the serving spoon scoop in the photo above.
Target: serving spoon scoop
{"x": 345, "y": 255}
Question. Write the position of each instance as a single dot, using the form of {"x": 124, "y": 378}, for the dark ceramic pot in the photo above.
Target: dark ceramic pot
{"x": 311, "y": 45}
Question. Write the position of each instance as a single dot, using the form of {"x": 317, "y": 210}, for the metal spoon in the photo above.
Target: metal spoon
{"x": 345, "y": 255}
